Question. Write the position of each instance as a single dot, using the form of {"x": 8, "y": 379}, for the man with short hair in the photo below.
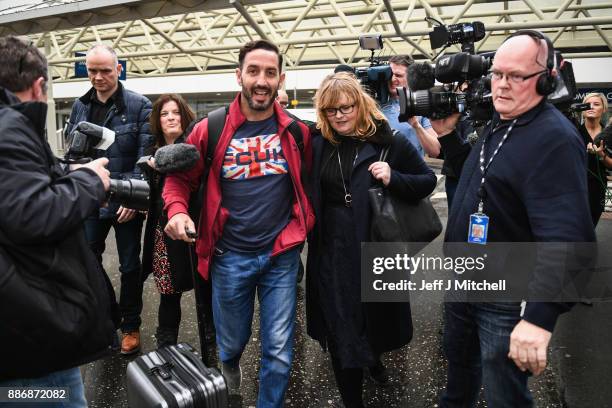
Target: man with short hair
{"x": 283, "y": 98}
{"x": 55, "y": 301}
{"x": 109, "y": 104}
{"x": 253, "y": 223}
{"x": 418, "y": 129}
{"x": 526, "y": 174}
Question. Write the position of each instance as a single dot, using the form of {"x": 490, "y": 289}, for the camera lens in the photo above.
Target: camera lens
{"x": 130, "y": 193}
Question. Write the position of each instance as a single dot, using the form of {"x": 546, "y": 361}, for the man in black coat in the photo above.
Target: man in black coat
{"x": 525, "y": 175}
{"x": 56, "y": 303}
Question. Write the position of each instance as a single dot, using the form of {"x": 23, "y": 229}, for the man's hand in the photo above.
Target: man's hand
{"x": 178, "y": 225}
{"x": 528, "y": 346}
{"x": 125, "y": 214}
{"x": 99, "y": 167}
{"x": 445, "y": 126}
{"x": 414, "y": 121}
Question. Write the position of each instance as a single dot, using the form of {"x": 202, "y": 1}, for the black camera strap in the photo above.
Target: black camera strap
{"x": 485, "y": 167}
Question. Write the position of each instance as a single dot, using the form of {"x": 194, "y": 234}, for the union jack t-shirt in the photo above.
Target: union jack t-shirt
{"x": 255, "y": 186}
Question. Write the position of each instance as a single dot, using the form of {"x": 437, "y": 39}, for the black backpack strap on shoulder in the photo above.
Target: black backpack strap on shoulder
{"x": 296, "y": 132}
{"x": 216, "y": 122}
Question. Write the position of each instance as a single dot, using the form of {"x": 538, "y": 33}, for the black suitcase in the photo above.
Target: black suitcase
{"x": 174, "y": 377}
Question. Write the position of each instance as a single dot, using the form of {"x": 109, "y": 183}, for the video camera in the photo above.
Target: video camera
{"x": 84, "y": 140}
{"x": 438, "y": 102}
{"x": 375, "y": 78}
{"x": 470, "y": 69}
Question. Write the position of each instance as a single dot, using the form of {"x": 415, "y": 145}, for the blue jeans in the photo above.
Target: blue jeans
{"x": 70, "y": 378}
{"x": 476, "y": 345}
{"x": 127, "y": 236}
{"x": 235, "y": 278}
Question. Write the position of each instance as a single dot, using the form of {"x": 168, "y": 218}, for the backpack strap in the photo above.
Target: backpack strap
{"x": 216, "y": 123}
{"x": 296, "y": 132}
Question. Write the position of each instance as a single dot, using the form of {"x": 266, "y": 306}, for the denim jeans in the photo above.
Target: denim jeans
{"x": 236, "y": 276}
{"x": 70, "y": 378}
{"x": 476, "y": 344}
{"x": 127, "y": 236}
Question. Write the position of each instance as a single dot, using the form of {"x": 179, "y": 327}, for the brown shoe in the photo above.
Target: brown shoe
{"x": 130, "y": 343}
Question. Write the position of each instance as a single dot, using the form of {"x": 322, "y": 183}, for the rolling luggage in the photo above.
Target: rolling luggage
{"x": 174, "y": 377}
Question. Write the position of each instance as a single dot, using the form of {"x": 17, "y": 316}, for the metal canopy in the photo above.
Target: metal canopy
{"x": 176, "y": 37}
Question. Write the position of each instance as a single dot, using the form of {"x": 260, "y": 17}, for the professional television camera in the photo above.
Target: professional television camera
{"x": 466, "y": 68}
{"x": 83, "y": 141}
{"x": 375, "y": 78}
{"x": 453, "y": 71}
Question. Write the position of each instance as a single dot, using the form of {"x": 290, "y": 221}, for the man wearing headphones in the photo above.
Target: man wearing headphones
{"x": 525, "y": 177}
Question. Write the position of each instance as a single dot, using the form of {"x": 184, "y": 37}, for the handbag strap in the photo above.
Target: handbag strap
{"x": 383, "y": 154}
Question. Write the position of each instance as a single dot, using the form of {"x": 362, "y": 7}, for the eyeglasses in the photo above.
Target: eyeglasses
{"x": 514, "y": 78}
{"x": 345, "y": 110}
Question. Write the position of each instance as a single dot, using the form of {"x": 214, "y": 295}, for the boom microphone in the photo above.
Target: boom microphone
{"x": 176, "y": 157}
{"x": 420, "y": 77}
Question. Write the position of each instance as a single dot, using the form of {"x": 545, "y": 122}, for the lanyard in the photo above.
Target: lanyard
{"x": 484, "y": 168}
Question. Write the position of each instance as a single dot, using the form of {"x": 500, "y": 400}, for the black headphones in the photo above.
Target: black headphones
{"x": 547, "y": 82}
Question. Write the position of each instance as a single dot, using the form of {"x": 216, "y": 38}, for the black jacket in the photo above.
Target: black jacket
{"x": 389, "y": 325}
{"x": 536, "y": 191}
{"x": 56, "y": 303}
{"x": 129, "y": 119}
{"x": 178, "y": 252}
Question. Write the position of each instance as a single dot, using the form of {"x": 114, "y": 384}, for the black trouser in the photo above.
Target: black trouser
{"x": 350, "y": 383}
{"x": 127, "y": 237}
{"x": 169, "y": 316}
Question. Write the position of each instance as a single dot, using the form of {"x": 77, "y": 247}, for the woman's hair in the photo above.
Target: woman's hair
{"x": 185, "y": 111}
{"x": 604, "y": 102}
{"x": 330, "y": 93}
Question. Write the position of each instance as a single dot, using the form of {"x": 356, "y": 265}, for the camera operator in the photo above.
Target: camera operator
{"x": 125, "y": 112}
{"x": 56, "y": 303}
{"x": 598, "y": 161}
{"x": 418, "y": 129}
{"x": 526, "y": 174}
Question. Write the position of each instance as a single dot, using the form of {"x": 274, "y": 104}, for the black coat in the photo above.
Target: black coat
{"x": 388, "y": 325}
{"x": 177, "y": 251}
{"x": 57, "y": 307}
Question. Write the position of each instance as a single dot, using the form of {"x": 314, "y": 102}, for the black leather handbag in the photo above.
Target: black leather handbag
{"x": 399, "y": 220}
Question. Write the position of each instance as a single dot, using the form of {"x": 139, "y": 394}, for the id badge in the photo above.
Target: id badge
{"x": 478, "y": 229}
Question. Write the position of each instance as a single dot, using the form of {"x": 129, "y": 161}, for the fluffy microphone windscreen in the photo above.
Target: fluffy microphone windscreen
{"x": 176, "y": 157}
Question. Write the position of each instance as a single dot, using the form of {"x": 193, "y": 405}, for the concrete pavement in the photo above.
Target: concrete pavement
{"x": 579, "y": 374}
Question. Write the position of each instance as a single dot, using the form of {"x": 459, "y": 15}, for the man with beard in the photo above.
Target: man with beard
{"x": 253, "y": 222}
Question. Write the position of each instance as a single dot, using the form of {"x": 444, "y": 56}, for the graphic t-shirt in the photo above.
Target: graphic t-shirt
{"x": 256, "y": 187}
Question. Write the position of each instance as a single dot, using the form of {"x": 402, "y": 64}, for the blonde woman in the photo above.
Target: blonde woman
{"x": 345, "y": 165}
{"x": 598, "y": 161}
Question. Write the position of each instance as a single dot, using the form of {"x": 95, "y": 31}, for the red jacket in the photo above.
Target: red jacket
{"x": 179, "y": 186}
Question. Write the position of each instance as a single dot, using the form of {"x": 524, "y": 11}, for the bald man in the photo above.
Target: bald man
{"x": 526, "y": 174}
{"x": 110, "y": 105}
{"x": 283, "y": 99}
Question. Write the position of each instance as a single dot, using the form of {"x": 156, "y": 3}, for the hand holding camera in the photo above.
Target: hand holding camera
{"x": 99, "y": 167}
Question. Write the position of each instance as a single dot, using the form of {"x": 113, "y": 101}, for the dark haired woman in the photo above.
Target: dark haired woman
{"x": 345, "y": 164}
{"x": 168, "y": 260}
